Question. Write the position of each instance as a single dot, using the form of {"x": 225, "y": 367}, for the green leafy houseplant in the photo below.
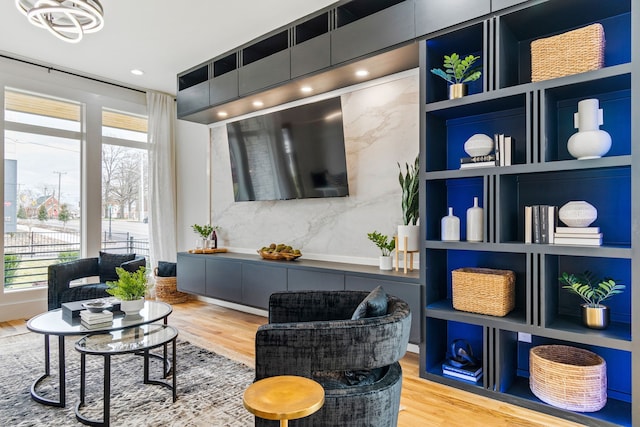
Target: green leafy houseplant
{"x": 458, "y": 70}
{"x": 591, "y": 290}
{"x": 130, "y": 286}
{"x": 204, "y": 231}
{"x": 410, "y": 183}
{"x": 383, "y": 242}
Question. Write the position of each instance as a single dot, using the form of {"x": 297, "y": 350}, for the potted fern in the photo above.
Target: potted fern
{"x": 458, "y": 72}
{"x": 593, "y": 292}
{"x": 130, "y": 289}
{"x": 409, "y": 183}
{"x": 386, "y": 245}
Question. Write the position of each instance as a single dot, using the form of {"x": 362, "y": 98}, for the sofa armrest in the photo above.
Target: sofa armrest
{"x": 308, "y": 306}
{"x": 60, "y": 275}
{"x": 133, "y": 265}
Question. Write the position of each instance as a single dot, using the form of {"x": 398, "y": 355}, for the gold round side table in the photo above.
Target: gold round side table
{"x": 283, "y": 398}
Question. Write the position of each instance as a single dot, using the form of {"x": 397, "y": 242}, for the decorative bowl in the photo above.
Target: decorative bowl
{"x": 96, "y": 306}
{"x": 278, "y": 255}
{"x": 479, "y": 144}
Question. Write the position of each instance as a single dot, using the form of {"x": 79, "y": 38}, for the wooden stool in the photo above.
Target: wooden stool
{"x": 283, "y": 398}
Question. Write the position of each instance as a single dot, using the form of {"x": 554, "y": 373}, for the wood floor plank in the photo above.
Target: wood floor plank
{"x": 423, "y": 403}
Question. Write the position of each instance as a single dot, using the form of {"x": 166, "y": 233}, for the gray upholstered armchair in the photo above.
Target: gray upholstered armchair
{"x": 310, "y": 334}
{"x": 103, "y": 267}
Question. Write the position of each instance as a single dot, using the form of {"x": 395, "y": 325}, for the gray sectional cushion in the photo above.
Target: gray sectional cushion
{"x": 374, "y": 305}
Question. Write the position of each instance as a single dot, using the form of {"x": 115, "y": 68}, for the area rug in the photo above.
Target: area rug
{"x": 210, "y": 388}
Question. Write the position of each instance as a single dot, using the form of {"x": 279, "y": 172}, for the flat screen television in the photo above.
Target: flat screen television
{"x": 295, "y": 153}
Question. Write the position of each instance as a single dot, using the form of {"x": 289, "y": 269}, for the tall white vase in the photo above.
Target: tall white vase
{"x": 450, "y": 227}
{"x": 590, "y": 142}
{"x": 475, "y": 222}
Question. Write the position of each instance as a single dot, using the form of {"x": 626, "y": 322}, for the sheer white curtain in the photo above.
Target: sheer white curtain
{"x": 162, "y": 180}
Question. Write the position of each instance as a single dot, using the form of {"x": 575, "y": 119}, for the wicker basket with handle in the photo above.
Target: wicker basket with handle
{"x": 573, "y": 52}
{"x": 568, "y": 377}
{"x": 167, "y": 289}
{"x": 483, "y": 290}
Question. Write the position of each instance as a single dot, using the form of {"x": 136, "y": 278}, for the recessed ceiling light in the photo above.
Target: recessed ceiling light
{"x": 362, "y": 73}
{"x": 306, "y": 89}
{"x": 222, "y": 114}
{"x": 258, "y": 104}
{"x": 137, "y": 72}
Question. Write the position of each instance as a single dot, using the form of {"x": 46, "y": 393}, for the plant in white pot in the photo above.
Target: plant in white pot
{"x": 593, "y": 292}
{"x": 130, "y": 289}
{"x": 410, "y": 183}
{"x": 386, "y": 245}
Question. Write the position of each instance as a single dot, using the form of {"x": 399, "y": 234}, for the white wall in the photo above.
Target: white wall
{"x": 381, "y": 129}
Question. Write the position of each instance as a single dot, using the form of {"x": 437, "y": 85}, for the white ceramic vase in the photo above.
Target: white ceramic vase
{"x": 578, "y": 214}
{"x": 386, "y": 262}
{"x": 412, "y": 232}
{"x": 132, "y": 308}
{"x": 475, "y": 222}
{"x": 450, "y": 227}
{"x": 590, "y": 142}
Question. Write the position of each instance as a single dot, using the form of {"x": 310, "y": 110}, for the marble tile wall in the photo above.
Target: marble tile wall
{"x": 381, "y": 129}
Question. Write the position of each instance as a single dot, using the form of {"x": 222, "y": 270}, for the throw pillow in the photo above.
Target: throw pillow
{"x": 107, "y": 264}
{"x": 375, "y": 304}
{"x": 166, "y": 269}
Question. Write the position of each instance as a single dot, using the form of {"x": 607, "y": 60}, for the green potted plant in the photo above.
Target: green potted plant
{"x": 593, "y": 292}
{"x": 409, "y": 183}
{"x": 386, "y": 245}
{"x": 206, "y": 233}
{"x": 458, "y": 72}
{"x": 130, "y": 289}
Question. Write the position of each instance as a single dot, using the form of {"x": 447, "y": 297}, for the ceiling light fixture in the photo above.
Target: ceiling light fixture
{"x": 258, "y": 104}
{"x": 222, "y": 114}
{"x": 306, "y": 89}
{"x": 137, "y": 72}
{"x": 362, "y": 73}
{"x": 68, "y": 20}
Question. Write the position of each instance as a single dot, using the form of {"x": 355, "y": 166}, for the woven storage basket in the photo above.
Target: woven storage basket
{"x": 483, "y": 290}
{"x": 167, "y": 290}
{"x": 569, "y": 53}
{"x": 568, "y": 377}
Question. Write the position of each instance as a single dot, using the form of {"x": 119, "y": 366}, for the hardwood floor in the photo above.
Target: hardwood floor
{"x": 423, "y": 403}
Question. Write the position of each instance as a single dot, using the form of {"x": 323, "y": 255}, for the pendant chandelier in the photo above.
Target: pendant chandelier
{"x": 68, "y": 20}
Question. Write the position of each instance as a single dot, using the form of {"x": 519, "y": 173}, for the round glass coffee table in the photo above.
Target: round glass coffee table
{"x": 133, "y": 340}
{"x": 53, "y": 323}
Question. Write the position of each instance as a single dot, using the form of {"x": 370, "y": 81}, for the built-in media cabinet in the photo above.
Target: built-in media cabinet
{"x": 539, "y": 116}
{"x": 249, "y": 280}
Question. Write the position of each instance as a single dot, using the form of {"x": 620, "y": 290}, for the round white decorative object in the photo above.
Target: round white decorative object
{"x": 450, "y": 227}
{"x": 479, "y": 145}
{"x": 578, "y": 214}
{"x": 590, "y": 142}
{"x": 475, "y": 222}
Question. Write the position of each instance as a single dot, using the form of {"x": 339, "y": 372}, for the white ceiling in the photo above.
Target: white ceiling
{"x": 161, "y": 37}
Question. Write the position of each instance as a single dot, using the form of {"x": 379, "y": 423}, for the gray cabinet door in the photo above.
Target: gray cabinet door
{"x": 192, "y": 99}
{"x": 501, "y": 4}
{"x": 191, "y": 274}
{"x": 223, "y": 88}
{"x": 311, "y": 55}
{"x": 408, "y": 292}
{"x": 224, "y": 279}
{"x": 265, "y": 72}
{"x": 383, "y": 29}
{"x": 260, "y": 281}
{"x": 435, "y": 15}
{"x": 307, "y": 280}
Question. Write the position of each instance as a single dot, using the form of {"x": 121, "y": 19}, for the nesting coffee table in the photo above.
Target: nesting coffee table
{"x": 53, "y": 323}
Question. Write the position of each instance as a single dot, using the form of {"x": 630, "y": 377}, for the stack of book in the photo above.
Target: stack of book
{"x": 587, "y": 236}
{"x": 540, "y": 222}
{"x": 96, "y": 320}
{"x": 469, "y": 373}
{"x": 501, "y": 156}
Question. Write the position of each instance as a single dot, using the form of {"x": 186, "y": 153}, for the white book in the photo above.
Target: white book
{"x": 578, "y": 230}
{"x": 508, "y": 151}
{"x": 95, "y": 325}
{"x": 93, "y": 317}
{"x": 477, "y": 165}
{"x": 461, "y": 376}
{"x": 552, "y": 222}
{"x": 579, "y": 236}
{"x": 595, "y": 241}
{"x": 501, "y": 149}
{"x": 528, "y": 213}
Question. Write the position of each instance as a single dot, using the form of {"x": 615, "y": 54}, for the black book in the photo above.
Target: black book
{"x": 470, "y": 371}
{"x": 544, "y": 224}
{"x": 535, "y": 226}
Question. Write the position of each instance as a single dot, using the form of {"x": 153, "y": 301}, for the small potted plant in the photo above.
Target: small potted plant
{"x": 386, "y": 245}
{"x": 593, "y": 292}
{"x": 206, "y": 233}
{"x": 409, "y": 183}
{"x": 458, "y": 72}
{"x": 130, "y": 289}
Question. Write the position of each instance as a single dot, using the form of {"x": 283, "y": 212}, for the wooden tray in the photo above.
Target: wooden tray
{"x": 208, "y": 251}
